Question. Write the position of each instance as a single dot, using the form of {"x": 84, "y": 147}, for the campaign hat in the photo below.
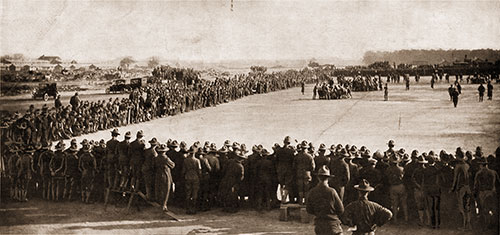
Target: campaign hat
{"x": 364, "y": 185}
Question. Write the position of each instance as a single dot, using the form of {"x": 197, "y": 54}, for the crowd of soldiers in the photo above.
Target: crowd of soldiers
{"x": 37, "y": 126}
{"x": 202, "y": 176}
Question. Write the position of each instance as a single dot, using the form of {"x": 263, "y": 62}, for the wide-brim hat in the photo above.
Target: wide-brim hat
{"x": 322, "y": 147}
{"x": 224, "y": 149}
{"x": 153, "y": 141}
{"x": 60, "y": 145}
{"x": 343, "y": 153}
{"x": 161, "y": 148}
{"x": 140, "y": 134}
{"x": 324, "y": 171}
{"x": 192, "y": 149}
{"x": 364, "y": 185}
{"x": 73, "y": 148}
{"x": 115, "y": 132}
{"x": 128, "y": 134}
{"x": 241, "y": 155}
{"x": 174, "y": 144}
{"x": 421, "y": 159}
{"x": 264, "y": 152}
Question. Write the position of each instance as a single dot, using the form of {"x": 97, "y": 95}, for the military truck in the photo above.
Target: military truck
{"x": 45, "y": 91}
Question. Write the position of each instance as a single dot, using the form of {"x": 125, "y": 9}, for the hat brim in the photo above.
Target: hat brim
{"x": 367, "y": 189}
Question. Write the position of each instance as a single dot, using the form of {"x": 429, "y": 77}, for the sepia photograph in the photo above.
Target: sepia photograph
{"x": 250, "y": 117}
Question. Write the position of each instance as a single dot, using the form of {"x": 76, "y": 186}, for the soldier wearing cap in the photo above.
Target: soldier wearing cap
{"x": 230, "y": 183}
{"x": 370, "y": 172}
{"x": 111, "y": 160}
{"x": 215, "y": 175}
{"x": 340, "y": 173}
{"x": 397, "y": 191}
{"x": 12, "y": 169}
{"x": 351, "y": 193}
{"x": 163, "y": 166}
{"x": 325, "y": 204}
{"x": 43, "y": 165}
{"x": 124, "y": 160}
{"x": 88, "y": 166}
{"x": 25, "y": 171}
{"x": 136, "y": 156}
{"x": 284, "y": 168}
{"x": 206, "y": 169}
{"x": 251, "y": 175}
{"x": 366, "y": 216}
{"x": 56, "y": 166}
{"x": 264, "y": 172}
{"x": 150, "y": 155}
{"x": 178, "y": 179}
{"x": 485, "y": 184}
{"x": 321, "y": 159}
{"x": 304, "y": 166}
{"x": 418, "y": 178}
{"x": 71, "y": 171}
{"x": 431, "y": 186}
{"x": 461, "y": 179}
{"x": 192, "y": 174}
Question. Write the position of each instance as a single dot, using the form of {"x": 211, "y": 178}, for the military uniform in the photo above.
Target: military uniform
{"x": 136, "y": 156}
{"x": 304, "y": 166}
{"x": 340, "y": 174}
{"x": 397, "y": 190}
{"x": 71, "y": 172}
{"x": 57, "y": 171}
{"x": 43, "y": 165}
{"x": 215, "y": 176}
{"x": 124, "y": 162}
{"x": 192, "y": 173}
{"x": 111, "y": 161}
{"x": 163, "y": 176}
{"x": 230, "y": 184}
{"x": 325, "y": 204}
{"x": 284, "y": 168}
{"x": 150, "y": 155}
{"x": 366, "y": 215}
{"x": 88, "y": 166}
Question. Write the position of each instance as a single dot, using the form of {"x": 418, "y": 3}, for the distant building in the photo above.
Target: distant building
{"x": 57, "y": 69}
{"x": 51, "y": 59}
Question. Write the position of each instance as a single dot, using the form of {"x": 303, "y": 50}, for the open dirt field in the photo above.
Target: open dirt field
{"x": 421, "y": 118}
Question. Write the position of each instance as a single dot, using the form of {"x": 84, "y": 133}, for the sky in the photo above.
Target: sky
{"x": 270, "y": 30}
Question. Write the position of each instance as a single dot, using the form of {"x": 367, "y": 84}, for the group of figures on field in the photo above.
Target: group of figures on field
{"x": 202, "y": 176}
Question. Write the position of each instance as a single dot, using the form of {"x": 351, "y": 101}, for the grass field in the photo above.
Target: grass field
{"x": 421, "y": 118}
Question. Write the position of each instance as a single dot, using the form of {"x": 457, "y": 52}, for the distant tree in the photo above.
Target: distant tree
{"x": 126, "y": 62}
{"x": 153, "y": 62}
{"x": 258, "y": 69}
{"x": 313, "y": 64}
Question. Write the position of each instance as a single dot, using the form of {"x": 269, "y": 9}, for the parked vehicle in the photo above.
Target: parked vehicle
{"x": 45, "y": 90}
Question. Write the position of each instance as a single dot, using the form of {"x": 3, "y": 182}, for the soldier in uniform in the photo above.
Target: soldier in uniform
{"x": 230, "y": 184}
{"x": 123, "y": 160}
{"x": 178, "y": 158}
{"x": 215, "y": 175}
{"x": 111, "y": 160}
{"x": 251, "y": 177}
{"x": 364, "y": 214}
{"x": 43, "y": 165}
{"x": 25, "y": 171}
{"x": 325, "y": 204}
{"x": 264, "y": 171}
{"x": 136, "y": 156}
{"x": 485, "y": 184}
{"x": 163, "y": 176}
{"x": 56, "y": 166}
{"x": 206, "y": 169}
{"x": 418, "y": 178}
{"x": 320, "y": 160}
{"x": 481, "y": 90}
{"x": 461, "y": 178}
{"x": 340, "y": 173}
{"x": 284, "y": 168}
{"x": 397, "y": 191}
{"x": 432, "y": 180}
{"x": 192, "y": 173}
{"x": 150, "y": 155}
{"x": 304, "y": 165}
{"x": 88, "y": 167}
{"x": 71, "y": 171}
